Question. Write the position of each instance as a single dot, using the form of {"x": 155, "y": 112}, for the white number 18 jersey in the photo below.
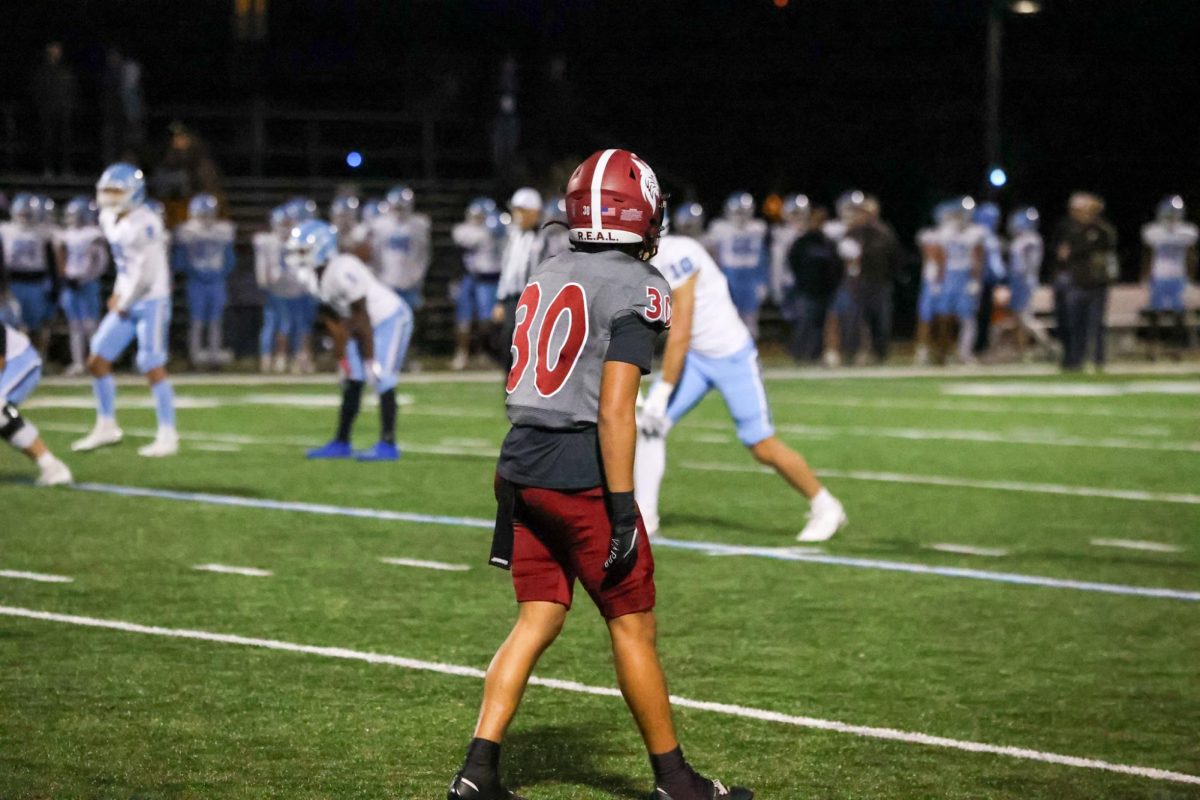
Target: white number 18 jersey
{"x": 717, "y": 330}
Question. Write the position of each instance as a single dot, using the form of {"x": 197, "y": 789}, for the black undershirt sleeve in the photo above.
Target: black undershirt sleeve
{"x": 632, "y": 342}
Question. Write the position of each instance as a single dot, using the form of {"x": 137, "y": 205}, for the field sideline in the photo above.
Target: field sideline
{"x": 1014, "y": 611}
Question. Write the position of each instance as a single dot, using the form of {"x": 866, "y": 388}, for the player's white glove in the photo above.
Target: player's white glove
{"x": 372, "y": 372}
{"x": 973, "y": 289}
{"x": 652, "y": 420}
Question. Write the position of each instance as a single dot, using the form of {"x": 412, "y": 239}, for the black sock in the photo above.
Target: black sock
{"x": 483, "y": 761}
{"x": 676, "y": 776}
{"x": 351, "y": 400}
{"x": 387, "y": 416}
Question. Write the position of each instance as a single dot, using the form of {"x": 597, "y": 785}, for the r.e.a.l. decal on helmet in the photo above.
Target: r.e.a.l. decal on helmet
{"x": 613, "y": 197}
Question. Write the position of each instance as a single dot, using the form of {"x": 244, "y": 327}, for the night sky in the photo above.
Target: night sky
{"x": 818, "y": 96}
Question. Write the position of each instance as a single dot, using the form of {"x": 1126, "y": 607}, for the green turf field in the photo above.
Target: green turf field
{"x": 1061, "y": 647}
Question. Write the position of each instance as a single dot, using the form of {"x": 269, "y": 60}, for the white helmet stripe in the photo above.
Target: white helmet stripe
{"x": 597, "y": 181}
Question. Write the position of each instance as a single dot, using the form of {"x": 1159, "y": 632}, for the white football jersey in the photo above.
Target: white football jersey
{"x": 480, "y": 247}
{"x": 205, "y": 244}
{"x": 959, "y": 245}
{"x": 782, "y": 237}
{"x": 400, "y": 248}
{"x": 86, "y": 257}
{"x": 139, "y": 248}
{"x": 270, "y": 271}
{"x": 1169, "y": 243}
{"x": 24, "y": 247}
{"x": 346, "y": 280}
{"x": 15, "y": 343}
{"x": 717, "y": 330}
{"x": 927, "y": 240}
{"x": 1025, "y": 254}
{"x": 738, "y": 246}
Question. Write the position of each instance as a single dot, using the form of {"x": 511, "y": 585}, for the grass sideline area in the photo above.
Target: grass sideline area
{"x": 907, "y": 622}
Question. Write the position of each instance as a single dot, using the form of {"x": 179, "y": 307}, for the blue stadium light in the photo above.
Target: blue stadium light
{"x": 354, "y": 159}
{"x": 997, "y": 177}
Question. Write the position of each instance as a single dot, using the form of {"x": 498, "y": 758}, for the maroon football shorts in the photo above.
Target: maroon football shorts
{"x": 561, "y": 536}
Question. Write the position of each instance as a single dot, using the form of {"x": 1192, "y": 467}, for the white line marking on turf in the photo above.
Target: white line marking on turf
{"x": 144, "y": 402}
{"x": 413, "y": 562}
{"x": 780, "y": 553}
{"x": 40, "y": 577}
{"x": 252, "y": 572}
{"x": 1052, "y": 389}
{"x": 744, "y": 712}
{"x": 970, "y": 483}
{"x": 968, "y": 550}
{"x": 988, "y": 437}
{"x": 215, "y": 447}
{"x": 967, "y": 407}
{"x": 1138, "y": 544}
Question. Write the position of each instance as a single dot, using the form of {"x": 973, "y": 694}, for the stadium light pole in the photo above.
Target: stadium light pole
{"x": 995, "y": 50}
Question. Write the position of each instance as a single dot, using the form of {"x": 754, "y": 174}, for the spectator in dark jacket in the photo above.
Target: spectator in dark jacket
{"x": 877, "y": 263}
{"x": 55, "y": 92}
{"x": 814, "y": 261}
{"x": 1085, "y": 245}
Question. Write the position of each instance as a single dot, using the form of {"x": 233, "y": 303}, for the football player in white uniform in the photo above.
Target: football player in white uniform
{"x": 26, "y": 263}
{"x": 82, "y": 258}
{"x": 280, "y": 333}
{"x": 1025, "y": 253}
{"x": 930, "y": 246}
{"x": 1170, "y": 243}
{"x": 377, "y": 327}
{"x": 139, "y": 307}
{"x": 20, "y": 371}
{"x": 203, "y": 251}
{"x": 479, "y": 237}
{"x": 708, "y": 348}
{"x": 960, "y": 272}
{"x": 400, "y": 242}
{"x": 739, "y": 242}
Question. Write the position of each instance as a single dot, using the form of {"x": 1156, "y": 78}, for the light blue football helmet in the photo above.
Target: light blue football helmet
{"x": 121, "y": 188}
{"x": 401, "y": 198}
{"x": 688, "y": 219}
{"x": 80, "y": 211}
{"x": 343, "y": 211}
{"x": 45, "y": 210}
{"x": 374, "y": 208}
{"x": 301, "y": 209}
{"x": 311, "y": 245}
{"x": 25, "y": 208}
{"x": 481, "y": 207}
{"x": 849, "y": 202}
{"x": 1025, "y": 218}
{"x": 158, "y": 208}
{"x": 795, "y": 206}
{"x": 740, "y": 205}
{"x": 988, "y": 215}
{"x": 279, "y": 220}
{"x": 203, "y": 207}
{"x": 1171, "y": 209}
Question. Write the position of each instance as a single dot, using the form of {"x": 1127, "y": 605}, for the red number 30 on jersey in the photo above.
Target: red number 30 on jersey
{"x": 550, "y": 371}
{"x": 659, "y": 308}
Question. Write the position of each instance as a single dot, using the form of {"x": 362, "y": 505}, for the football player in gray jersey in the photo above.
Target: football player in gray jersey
{"x": 586, "y": 326}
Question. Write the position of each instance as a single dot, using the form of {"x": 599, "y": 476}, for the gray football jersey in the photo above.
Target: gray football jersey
{"x": 564, "y": 323}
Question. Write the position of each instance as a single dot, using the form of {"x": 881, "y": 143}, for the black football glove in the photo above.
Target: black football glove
{"x": 622, "y": 546}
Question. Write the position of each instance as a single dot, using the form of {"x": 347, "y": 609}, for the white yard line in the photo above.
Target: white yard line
{"x": 189, "y": 437}
{"x": 413, "y": 562}
{"x": 1138, "y": 544}
{"x": 252, "y": 572}
{"x": 215, "y": 447}
{"x": 969, "y": 550}
{"x": 969, "y": 483}
{"x": 40, "y": 577}
{"x": 710, "y": 548}
{"x": 970, "y": 407}
{"x": 726, "y": 709}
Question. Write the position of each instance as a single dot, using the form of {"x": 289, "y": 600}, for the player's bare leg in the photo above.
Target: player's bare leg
{"x": 827, "y": 516}
{"x": 641, "y": 678}
{"x": 105, "y": 431}
{"x": 922, "y": 344}
{"x": 538, "y": 625}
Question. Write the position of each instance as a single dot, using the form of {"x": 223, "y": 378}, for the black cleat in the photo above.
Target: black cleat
{"x": 465, "y": 789}
{"x": 715, "y": 791}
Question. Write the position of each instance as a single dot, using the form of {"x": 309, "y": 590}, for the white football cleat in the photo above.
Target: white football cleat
{"x": 103, "y": 434}
{"x": 55, "y": 473}
{"x": 824, "y": 520}
{"x": 459, "y": 362}
{"x": 166, "y": 443}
